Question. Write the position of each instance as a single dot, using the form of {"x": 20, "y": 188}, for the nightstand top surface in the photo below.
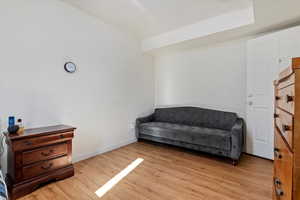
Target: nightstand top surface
{"x": 34, "y": 132}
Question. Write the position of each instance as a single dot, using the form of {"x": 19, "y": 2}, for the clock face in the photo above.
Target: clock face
{"x": 70, "y": 67}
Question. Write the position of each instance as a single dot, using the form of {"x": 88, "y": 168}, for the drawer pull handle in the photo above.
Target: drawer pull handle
{"x": 62, "y": 136}
{"x": 279, "y": 192}
{"x": 277, "y": 181}
{"x": 47, "y": 167}
{"x": 47, "y": 154}
{"x": 277, "y": 153}
{"x": 276, "y": 115}
{"x": 285, "y": 128}
{"x": 28, "y": 142}
{"x": 277, "y": 98}
{"x": 289, "y": 98}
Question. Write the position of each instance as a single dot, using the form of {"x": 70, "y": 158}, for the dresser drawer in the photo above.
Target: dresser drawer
{"x": 284, "y": 122}
{"x": 41, "y": 141}
{"x": 285, "y": 98}
{"x": 44, "y": 153}
{"x": 287, "y": 82}
{"x": 44, "y": 167}
{"x": 283, "y": 172}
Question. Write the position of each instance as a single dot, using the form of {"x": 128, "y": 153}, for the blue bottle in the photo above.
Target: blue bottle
{"x": 11, "y": 121}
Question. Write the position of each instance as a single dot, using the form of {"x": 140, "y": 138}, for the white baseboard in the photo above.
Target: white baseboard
{"x": 103, "y": 150}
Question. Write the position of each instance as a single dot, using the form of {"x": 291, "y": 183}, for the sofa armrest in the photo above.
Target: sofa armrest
{"x": 237, "y": 139}
{"x": 141, "y": 120}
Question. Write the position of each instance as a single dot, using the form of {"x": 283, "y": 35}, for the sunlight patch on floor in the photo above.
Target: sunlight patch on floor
{"x": 112, "y": 182}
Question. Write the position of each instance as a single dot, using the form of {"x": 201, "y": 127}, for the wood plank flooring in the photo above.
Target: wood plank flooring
{"x": 168, "y": 173}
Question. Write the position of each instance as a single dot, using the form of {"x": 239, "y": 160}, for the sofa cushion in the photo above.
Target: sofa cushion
{"x": 194, "y": 116}
{"x": 209, "y": 137}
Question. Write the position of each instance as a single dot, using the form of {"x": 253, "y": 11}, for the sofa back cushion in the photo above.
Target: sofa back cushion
{"x": 194, "y": 116}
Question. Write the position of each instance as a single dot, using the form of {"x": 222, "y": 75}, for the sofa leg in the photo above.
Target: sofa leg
{"x": 235, "y": 162}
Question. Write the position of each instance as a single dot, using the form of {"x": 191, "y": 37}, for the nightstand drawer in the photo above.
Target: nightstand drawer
{"x": 41, "y": 141}
{"x": 44, "y": 167}
{"x": 44, "y": 153}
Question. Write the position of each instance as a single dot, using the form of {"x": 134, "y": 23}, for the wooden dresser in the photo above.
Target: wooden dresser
{"x": 37, "y": 157}
{"x": 287, "y": 134}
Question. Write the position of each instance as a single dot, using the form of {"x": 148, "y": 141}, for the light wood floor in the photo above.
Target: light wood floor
{"x": 167, "y": 173}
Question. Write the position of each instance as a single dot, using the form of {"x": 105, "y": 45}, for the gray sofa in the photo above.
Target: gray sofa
{"x": 211, "y": 131}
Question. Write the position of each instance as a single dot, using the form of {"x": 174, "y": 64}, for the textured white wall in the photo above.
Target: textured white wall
{"x": 113, "y": 84}
{"x": 213, "y": 77}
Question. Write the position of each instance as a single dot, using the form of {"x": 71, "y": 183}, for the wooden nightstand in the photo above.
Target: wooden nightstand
{"x": 38, "y": 156}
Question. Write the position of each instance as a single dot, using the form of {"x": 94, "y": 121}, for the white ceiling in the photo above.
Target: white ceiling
{"x": 270, "y": 16}
{"x": 147, "y": 18}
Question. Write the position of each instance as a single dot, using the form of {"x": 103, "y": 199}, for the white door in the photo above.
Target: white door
{"x": 262, "y": 70}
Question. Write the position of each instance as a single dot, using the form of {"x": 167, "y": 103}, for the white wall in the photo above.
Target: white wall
{"x": 211, "y": 77}
{"x": 113, "y": 85}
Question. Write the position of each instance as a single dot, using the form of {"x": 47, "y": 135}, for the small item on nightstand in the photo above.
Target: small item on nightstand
{"x": 13, "y": 129}
{"x": 11, "y": 121}
{"x": 21, "y": 127}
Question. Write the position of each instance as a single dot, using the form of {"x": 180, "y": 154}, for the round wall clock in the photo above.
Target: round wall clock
{"x": 70, "y": 67}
